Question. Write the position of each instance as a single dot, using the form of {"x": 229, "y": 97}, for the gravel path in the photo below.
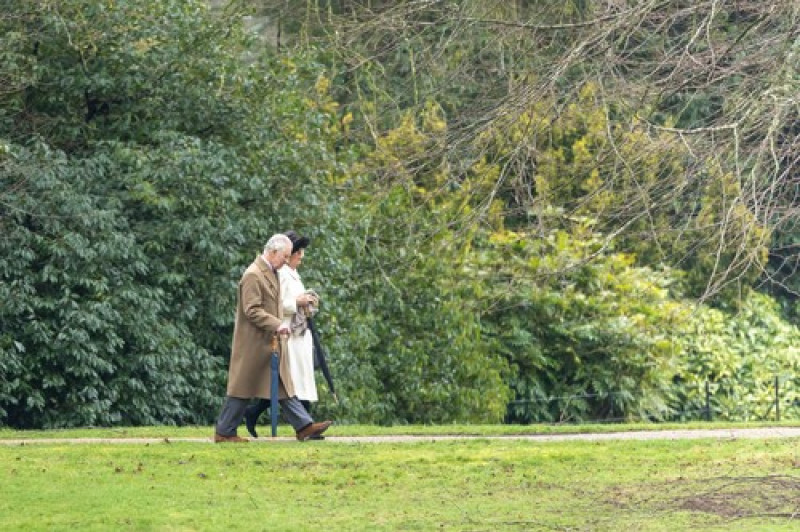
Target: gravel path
{"x": 762, "y": 432}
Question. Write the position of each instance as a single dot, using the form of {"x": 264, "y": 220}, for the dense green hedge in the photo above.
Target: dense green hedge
{"x": 144, "y": 165}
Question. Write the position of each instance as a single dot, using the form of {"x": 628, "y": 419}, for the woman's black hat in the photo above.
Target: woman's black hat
{"x": 298, "y": 242}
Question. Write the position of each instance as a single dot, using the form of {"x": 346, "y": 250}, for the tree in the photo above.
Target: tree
{"x": 714, "y": 80}
{"x": 144, "y": 151}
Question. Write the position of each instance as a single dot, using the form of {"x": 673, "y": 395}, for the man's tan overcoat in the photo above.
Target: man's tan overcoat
{"x": 258, "y": 315}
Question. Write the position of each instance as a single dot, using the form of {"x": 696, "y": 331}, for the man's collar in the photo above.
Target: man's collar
{"x": 264, "y": 263}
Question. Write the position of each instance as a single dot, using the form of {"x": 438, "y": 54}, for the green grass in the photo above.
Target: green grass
{"x": 448, "y": 485}
{"x": 372, "y": 430}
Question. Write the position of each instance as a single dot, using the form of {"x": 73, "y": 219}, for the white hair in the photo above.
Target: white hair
{"x": 277, "y": 242}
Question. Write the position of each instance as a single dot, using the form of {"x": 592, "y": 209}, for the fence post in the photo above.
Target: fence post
{"x": 777, "y": 399}
{"x": 708, "y": 401}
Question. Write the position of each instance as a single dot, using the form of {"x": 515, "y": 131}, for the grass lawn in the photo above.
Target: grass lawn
{"x": 372, "y": 430}
{"x": 446, "y": 485}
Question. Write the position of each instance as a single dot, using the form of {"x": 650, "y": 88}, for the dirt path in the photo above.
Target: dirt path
{"x": 761, "y": 432}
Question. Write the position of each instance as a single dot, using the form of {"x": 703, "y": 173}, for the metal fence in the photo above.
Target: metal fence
{"x": 708, "y": 403}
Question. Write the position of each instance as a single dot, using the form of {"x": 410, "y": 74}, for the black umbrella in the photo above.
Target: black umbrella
{"x": 319, "y": 354}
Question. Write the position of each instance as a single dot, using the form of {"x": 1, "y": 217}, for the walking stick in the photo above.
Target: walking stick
{"x": 273, "y": 392}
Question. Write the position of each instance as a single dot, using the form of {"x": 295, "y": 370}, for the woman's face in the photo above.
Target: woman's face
{"x": 296, "y": 258}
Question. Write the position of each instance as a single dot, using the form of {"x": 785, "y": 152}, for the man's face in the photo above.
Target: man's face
{"x": 278, "y": 258}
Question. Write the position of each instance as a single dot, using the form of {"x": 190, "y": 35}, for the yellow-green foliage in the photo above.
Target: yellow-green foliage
{"x": 636, "y": 181}
{"x": 567, "y": 315}
{"x": 729, "y": 242}
{"x": 740, "y": 354}
{"x": 579, "y": 325}
{"x": 426, "y": 351}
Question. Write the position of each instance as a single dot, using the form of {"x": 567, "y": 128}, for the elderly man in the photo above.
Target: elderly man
{"x": 259, "y": 314}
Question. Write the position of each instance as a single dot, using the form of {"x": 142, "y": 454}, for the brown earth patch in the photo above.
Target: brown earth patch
{"x": 727, "y": 497}
{"x": 741, "y": 497}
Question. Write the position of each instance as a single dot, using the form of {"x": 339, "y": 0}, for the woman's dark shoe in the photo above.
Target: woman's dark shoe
{"x": 250, "y": 420}
{"x": 251, "y": 415}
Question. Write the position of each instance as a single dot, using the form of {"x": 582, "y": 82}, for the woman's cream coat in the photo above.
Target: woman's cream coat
{"x": 300, "y": 347}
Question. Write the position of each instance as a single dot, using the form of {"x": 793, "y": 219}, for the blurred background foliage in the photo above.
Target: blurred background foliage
{"x": 500, "y": 232}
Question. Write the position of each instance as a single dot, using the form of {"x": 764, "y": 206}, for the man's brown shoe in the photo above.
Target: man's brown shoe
{"x": 314, "y": 429}
{"x": 219, "y": 438}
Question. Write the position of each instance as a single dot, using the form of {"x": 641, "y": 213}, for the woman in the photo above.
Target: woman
{"x": 297, "y": 305}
